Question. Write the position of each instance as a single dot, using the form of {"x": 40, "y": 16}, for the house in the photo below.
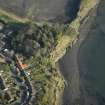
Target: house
{"x": 1, "y": 26}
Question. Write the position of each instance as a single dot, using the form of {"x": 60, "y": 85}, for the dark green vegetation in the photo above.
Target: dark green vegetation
{"x": 31, "y": 38}
{"x": 33, "y": 44}
{"x": 39, "y": 46}
{"x": 27, "y": 38}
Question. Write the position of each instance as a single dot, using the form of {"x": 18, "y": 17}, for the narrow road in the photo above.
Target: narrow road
{"x": 26, "y": 89}
{"x": 16, "y": 70}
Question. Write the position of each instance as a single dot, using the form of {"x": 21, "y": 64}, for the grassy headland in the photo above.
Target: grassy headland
{"x": 41, "y": 47}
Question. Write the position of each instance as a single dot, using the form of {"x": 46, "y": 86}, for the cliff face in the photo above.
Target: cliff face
{"x": 43, "y": 10}
{"x": 83, "y": 66}
{"x": 91, "y": 58}
{"x": 29, "y": 37}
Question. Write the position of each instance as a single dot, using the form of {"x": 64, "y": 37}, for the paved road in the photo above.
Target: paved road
{"x": 27, "y": 92}
{"x": 25, "y": 86}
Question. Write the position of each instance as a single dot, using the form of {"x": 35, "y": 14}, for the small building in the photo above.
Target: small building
{"x": 1, "y": 26}
{"x": 1, "y": 45}
{"x": 2, "y": 36}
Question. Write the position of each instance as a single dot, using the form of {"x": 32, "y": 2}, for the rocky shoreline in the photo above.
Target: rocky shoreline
{"x": 78, "y": 61}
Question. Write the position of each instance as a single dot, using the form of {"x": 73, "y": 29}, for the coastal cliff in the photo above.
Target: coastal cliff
{"x": 45, "y": 36}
